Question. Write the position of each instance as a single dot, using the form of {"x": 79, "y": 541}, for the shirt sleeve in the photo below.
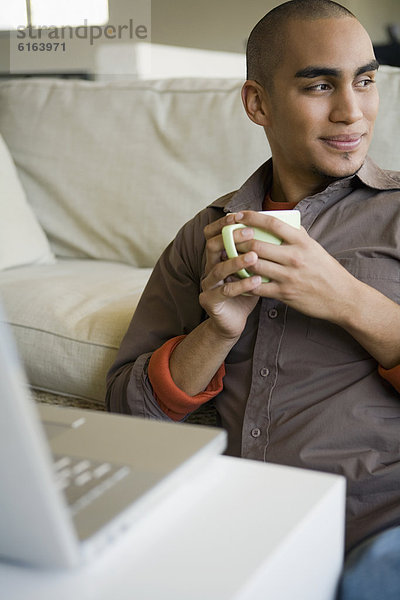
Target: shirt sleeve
{"x": 173, "y": 401}
{"x": 169, "y": 307}
{"x": 392, "y": 376}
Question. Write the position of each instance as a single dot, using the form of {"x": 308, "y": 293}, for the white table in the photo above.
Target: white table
{"x": 237, "y": 530}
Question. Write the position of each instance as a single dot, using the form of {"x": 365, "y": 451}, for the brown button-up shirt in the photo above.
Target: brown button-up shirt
{"x": 297, "y": 391}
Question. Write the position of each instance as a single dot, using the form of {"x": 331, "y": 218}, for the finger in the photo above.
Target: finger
{"x": 216, "y": 243}
{"x": 270, "y": 270}
{"x": 278, "y": 253}
{"x": 232, "y": 289}
{"x": 271, "y": 289}
{"x": 222, "y": 270}
{"x": 215, "y": 228}
{"x": 241, "y": 287}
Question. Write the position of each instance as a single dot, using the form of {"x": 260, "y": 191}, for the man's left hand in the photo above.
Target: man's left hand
{"x": 307, "y": 278}
{"x": 302, "y": 273}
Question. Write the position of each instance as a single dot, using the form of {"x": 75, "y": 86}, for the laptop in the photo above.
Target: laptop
{"x": 73, "y": 480}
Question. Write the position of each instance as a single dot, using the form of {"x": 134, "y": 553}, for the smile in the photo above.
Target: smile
{"x": 344, "y": 143}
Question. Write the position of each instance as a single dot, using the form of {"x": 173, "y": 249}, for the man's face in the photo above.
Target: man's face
{"x": 323, "y": 102}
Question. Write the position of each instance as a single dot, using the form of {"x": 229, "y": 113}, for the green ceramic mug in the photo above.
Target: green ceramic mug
{"x": 291, "y": 217}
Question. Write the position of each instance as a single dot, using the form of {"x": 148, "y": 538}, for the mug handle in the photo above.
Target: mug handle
{"x": 229, "y": 243}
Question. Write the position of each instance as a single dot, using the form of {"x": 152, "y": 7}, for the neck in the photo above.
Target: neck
{"x": 287, "y": 189}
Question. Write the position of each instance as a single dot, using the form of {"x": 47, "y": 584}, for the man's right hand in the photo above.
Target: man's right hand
{"x": 198, "y": 357}
{"x": 223, "y": 292}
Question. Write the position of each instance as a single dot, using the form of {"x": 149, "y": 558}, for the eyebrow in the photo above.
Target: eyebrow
{"x": 315, "y": 71}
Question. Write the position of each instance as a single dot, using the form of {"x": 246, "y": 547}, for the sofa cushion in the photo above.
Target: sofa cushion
{"x": 68, "y": 320}
{"x": 385, "y": 147}
{"x": 22, "y": 240}
{"x": 114, "y": 169}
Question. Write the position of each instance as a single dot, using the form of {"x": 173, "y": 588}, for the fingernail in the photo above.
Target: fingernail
{"x": 239, "y": 216}
{"x": 250, "y": 257}
{"x": 230, "y": 218}
{"x": 247, "y": 233}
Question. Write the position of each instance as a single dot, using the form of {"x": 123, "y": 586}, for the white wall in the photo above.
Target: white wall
{"x": 221, "y": 25}
{"x": 225, "y": 24}
{"x": 375, "y": 15}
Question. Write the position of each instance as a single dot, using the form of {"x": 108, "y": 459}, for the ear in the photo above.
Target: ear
{"x": 254, "y": 102}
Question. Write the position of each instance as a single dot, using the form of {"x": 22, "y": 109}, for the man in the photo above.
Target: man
{"x": 304, "y": 368}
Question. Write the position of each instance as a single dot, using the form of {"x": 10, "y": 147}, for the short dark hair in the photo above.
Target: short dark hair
{"x": 267, "y": 40}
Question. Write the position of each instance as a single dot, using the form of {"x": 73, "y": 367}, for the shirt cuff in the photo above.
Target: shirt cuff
{"x": 175, "y": 403}
{"x": 391, "y": 375}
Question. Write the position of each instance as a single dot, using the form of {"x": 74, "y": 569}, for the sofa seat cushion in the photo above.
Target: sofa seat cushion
{"x": 68, "y": 320}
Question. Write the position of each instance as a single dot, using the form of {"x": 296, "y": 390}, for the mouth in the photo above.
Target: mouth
{"x": 343, "y": 143}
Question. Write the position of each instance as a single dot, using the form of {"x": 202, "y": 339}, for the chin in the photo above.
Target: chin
{"x": 348, "y": 166}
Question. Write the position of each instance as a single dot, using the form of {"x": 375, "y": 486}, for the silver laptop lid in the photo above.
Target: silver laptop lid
{"x": 31, "y": 507}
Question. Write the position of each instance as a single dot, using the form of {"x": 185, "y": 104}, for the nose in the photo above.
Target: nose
{"x": 346, "y": 107}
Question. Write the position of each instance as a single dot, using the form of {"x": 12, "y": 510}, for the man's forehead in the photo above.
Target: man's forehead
{"x": 341, "y": 44}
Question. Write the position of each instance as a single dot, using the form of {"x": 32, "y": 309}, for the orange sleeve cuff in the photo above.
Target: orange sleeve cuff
{"x": 391, "y": 375}
{"x": 175, "y": 403}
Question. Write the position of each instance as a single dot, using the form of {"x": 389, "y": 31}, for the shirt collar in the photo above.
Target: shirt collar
{"x": 373, "y": 176}
{"x": 250, "y": 196}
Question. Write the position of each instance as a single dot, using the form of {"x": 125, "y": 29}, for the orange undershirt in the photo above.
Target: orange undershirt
{"x": 175, "y": 403}
{"x": 271, "y": 205}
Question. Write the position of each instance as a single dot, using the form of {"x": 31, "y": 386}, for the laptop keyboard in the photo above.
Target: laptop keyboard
{"x": 83, "y": 480}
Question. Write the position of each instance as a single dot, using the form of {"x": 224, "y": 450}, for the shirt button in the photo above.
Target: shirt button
{"x": 264, "y": 372}
{"x": 256, "y": 432}
{"x": 272, "y": 313}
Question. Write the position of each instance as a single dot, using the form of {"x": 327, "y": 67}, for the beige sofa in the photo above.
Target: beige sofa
{"x": 96, "y": 180}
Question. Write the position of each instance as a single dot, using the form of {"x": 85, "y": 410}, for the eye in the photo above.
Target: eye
{"x": 318, "y": 87}
{"x": 365, "y": 82}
